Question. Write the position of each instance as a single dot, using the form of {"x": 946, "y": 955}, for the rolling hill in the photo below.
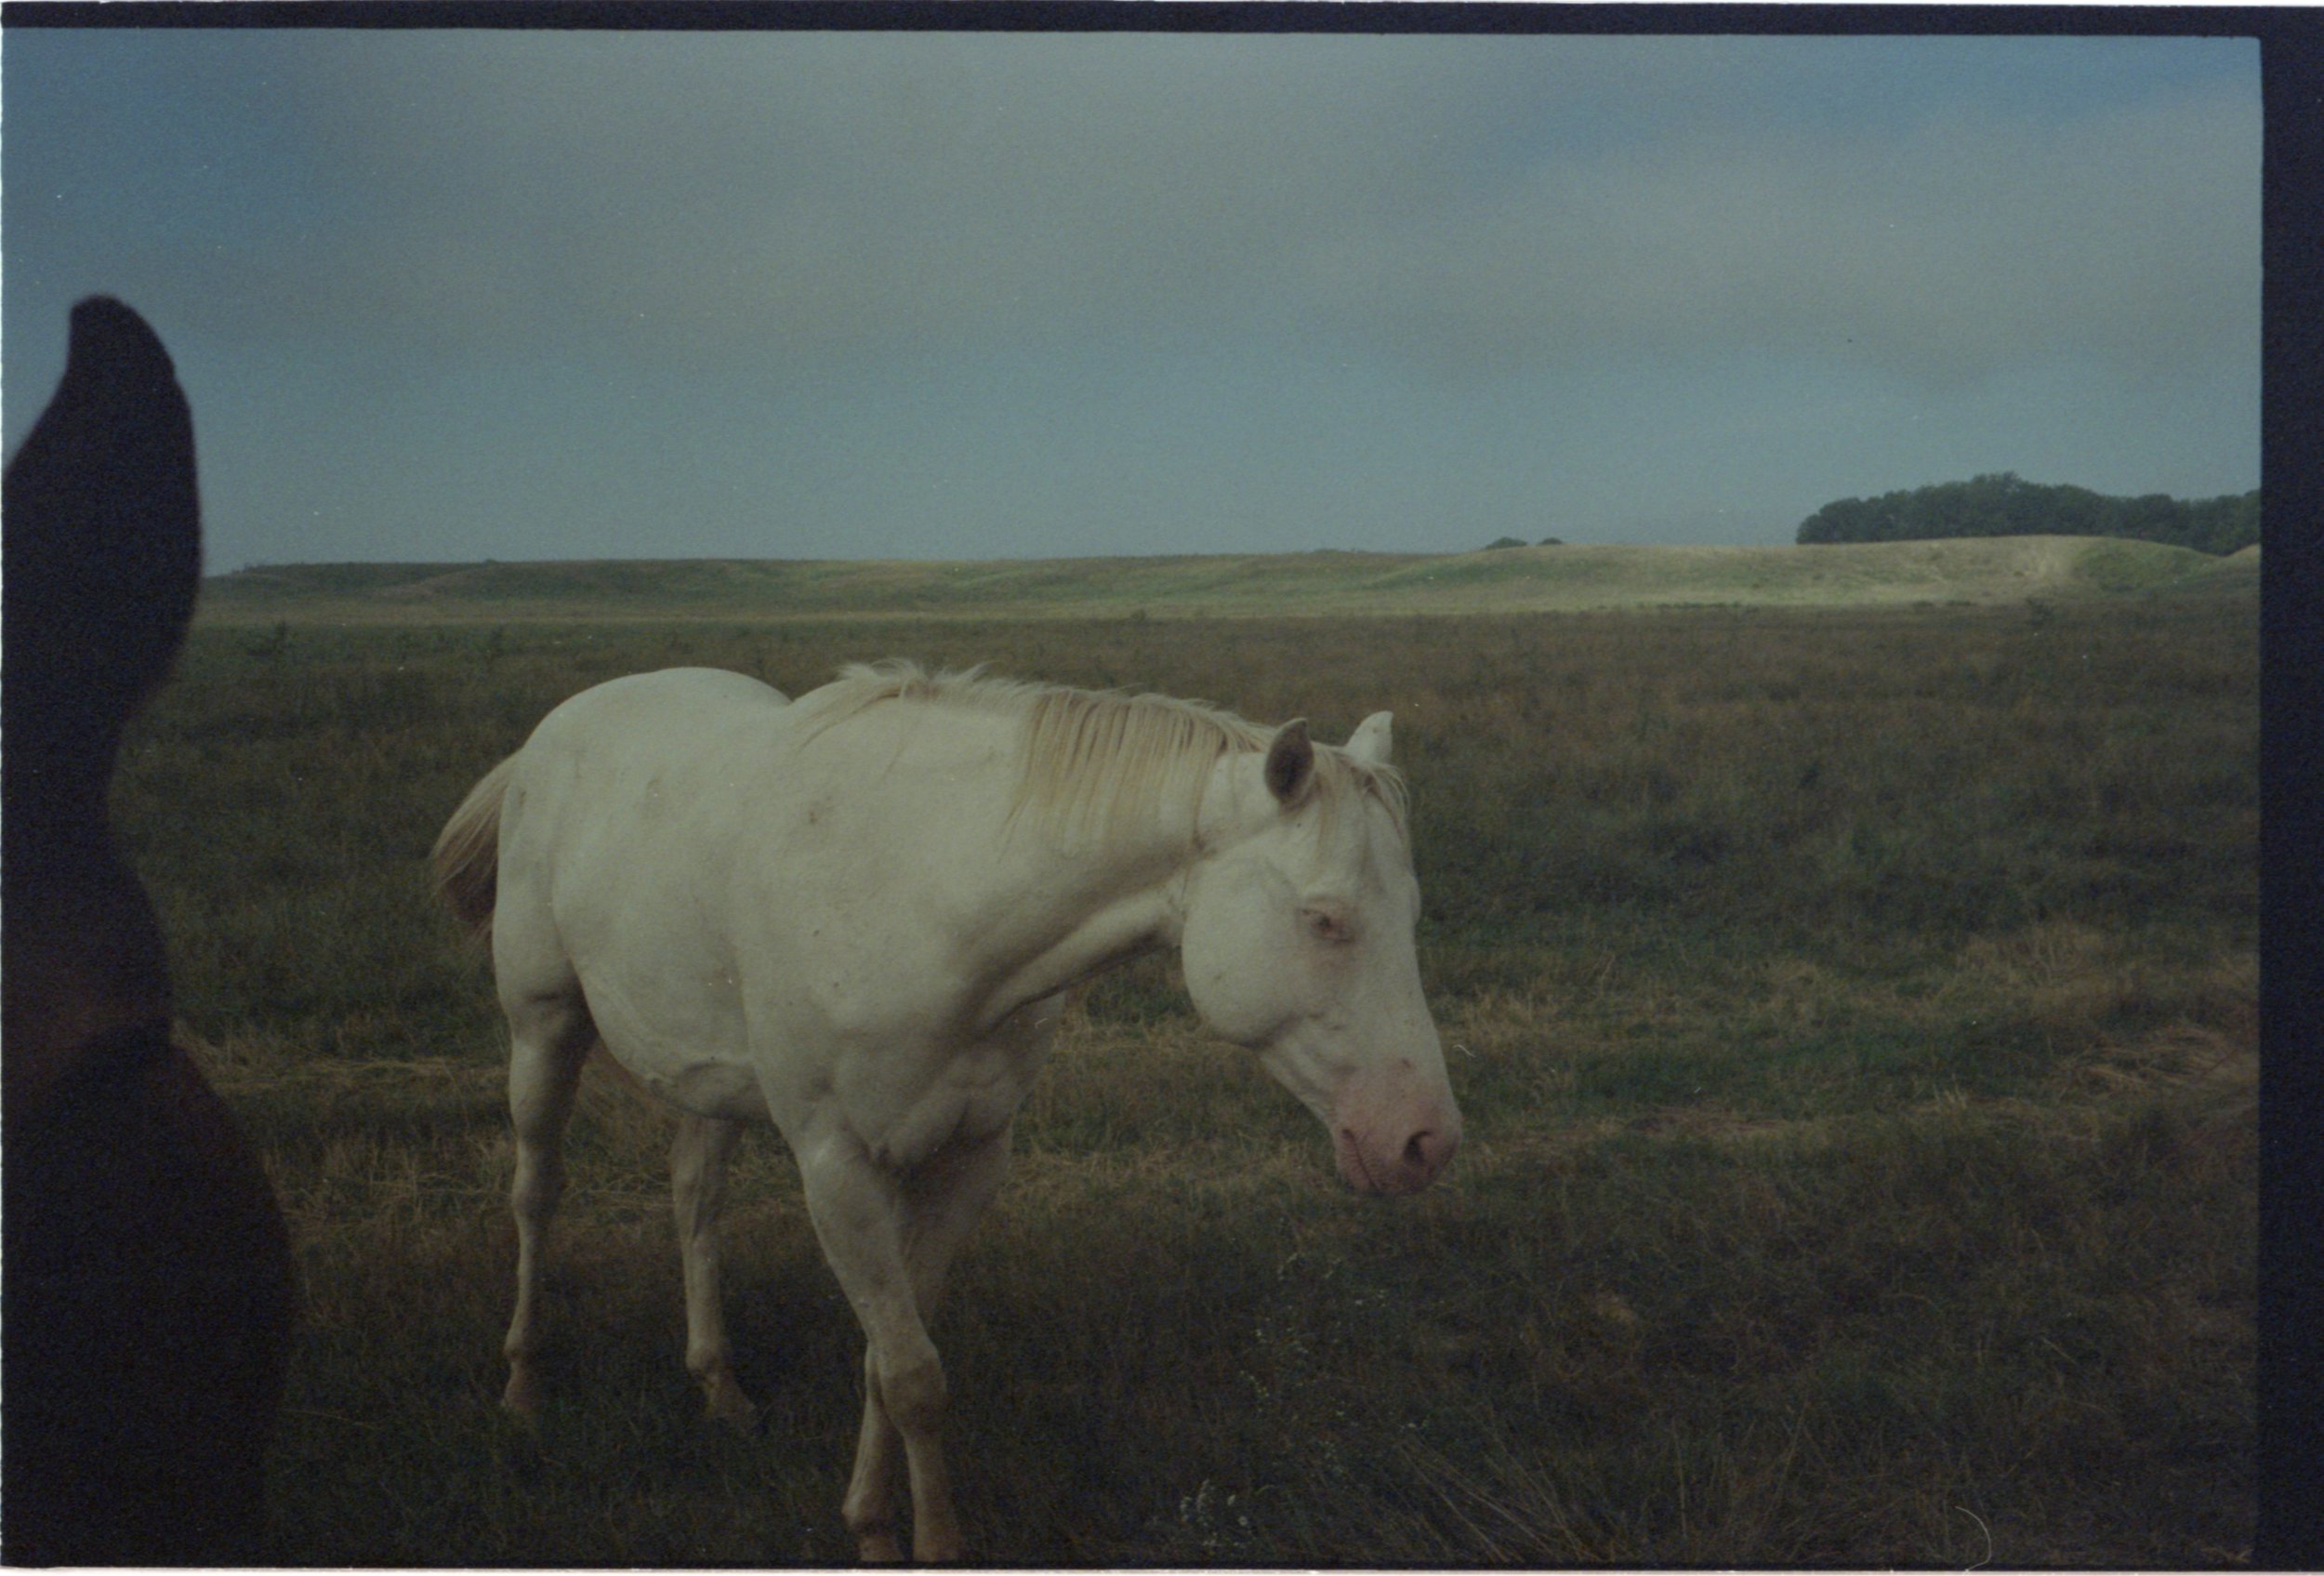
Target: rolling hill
{"x": 1493, "y": 580}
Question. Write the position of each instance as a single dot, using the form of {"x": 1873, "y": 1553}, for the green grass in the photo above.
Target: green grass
{"x": 1853, "y": 1012}
{"x": 1541, "y": 578}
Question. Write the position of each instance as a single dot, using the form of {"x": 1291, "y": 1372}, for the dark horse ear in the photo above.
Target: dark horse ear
{"x": 103, "y": 555}
{"x": 1291, "y": 763}
{"x": 147, "y": 1295}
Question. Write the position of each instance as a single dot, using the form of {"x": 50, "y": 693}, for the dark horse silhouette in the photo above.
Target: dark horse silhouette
{"x": 146, "y": 1291}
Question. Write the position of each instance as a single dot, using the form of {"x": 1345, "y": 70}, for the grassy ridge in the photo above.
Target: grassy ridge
{"x": 1855, "y": 1016}
{"x": 1504, "y": 580}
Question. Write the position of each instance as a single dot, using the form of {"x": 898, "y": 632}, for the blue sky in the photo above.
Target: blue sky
{"x": 459, "y": 294}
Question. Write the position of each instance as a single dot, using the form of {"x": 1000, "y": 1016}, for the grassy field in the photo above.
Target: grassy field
{"x": 1507, "y": 580}
{"x": 1853, "y": 1013}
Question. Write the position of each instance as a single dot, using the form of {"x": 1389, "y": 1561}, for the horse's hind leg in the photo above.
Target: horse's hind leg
{"x": 697, "y": 1165}
{"x": 549, "y": 1039}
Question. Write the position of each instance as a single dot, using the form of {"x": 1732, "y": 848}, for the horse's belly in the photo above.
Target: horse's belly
{"x": 686, "y": 1047}
{"x": 732, "y": 1093}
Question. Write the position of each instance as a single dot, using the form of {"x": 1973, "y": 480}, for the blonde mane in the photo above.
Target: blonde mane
{"x": 1094, "y": 760}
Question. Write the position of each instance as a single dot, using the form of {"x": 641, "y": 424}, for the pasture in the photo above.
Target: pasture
{"x": 1853, "y": 1013}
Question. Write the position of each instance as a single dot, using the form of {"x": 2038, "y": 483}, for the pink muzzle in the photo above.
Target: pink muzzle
{"x": 1393, "y": 1131}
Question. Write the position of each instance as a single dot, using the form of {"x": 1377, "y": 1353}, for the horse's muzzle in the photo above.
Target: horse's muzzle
{"x": 1396, "y": 1145}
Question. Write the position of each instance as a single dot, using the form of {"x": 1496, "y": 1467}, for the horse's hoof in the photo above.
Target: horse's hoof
{"x": 521, "y": 1399}
{"x": 723, "y": 1401}
{"x": 878, "y": 1549}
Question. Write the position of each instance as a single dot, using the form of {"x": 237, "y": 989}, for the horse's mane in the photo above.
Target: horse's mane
{"x": 1097, "y": 758}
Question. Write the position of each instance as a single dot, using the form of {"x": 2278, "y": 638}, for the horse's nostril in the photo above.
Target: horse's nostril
{"x": 1428, "y": 1151}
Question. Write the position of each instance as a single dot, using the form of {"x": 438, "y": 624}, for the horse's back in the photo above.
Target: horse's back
{"x": 667, "y": 723}
{"x": 629, "y": 744}
{"x": 691, "y": 694}
{"x": 660, "y": 730}
{"x": 630, "y": 805}
{"x": 684, "y": 700}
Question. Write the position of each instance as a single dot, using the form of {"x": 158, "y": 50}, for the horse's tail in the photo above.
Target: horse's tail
{"x": 467, "y": 855}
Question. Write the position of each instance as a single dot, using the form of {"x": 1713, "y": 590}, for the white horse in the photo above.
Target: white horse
{"x": 856, "y": 916}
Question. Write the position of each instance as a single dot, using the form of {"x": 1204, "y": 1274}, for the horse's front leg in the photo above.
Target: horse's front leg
{"x": 860, "y": 1215}
{"x": 943, "y": 1201}
{"x": 869, "y": 1508}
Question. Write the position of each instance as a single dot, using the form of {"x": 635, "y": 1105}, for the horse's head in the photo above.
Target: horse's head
{"x": 1297, "y": 941}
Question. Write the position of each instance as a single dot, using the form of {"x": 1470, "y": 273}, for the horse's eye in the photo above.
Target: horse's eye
{"x": 1327, "y": 924}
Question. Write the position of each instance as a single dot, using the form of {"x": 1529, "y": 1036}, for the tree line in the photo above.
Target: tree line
{"x": 2006, "y": 505}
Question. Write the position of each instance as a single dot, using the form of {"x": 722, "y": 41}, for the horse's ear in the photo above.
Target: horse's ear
{"x": 1291, "y": 763}
{"x": 1371, "y": 741}
{"x": 104, "y": 540}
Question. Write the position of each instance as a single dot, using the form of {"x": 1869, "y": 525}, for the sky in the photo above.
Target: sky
{"x": 449, "y": 295}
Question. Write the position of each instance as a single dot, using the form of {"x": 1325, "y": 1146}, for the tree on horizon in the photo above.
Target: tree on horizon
{"x": 2004, "y": 504}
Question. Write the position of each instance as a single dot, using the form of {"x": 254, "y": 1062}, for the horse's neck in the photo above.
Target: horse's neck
{"x": 1090, "y": 907}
